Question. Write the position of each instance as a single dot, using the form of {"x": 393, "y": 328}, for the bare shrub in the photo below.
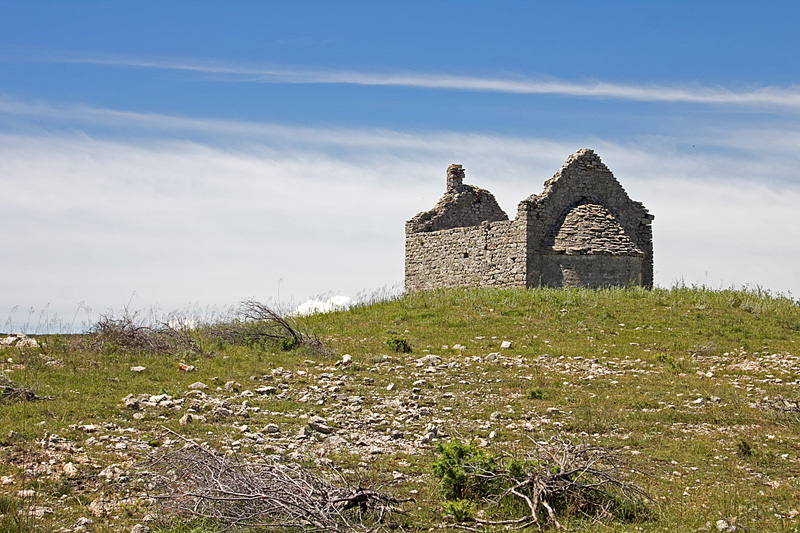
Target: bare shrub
{"x": 128, "y": 332}
{"x": 781, "y": 404}
{"x": 197, "y": 481}
{"x": 558, "y": 477}
{"x": 9, "y": 390}
{"x": 256, "y": 322}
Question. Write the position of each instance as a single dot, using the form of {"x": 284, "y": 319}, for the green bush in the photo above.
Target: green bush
{"x": 456, "y": 467}
{"x": 460, "y": 510}
{"x": 398, "y": 344}
{"x": 536, "y": 394}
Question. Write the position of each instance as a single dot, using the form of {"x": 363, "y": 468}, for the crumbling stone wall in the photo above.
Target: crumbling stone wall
{"x": 462, "y": 205}
{"x": 582, "y": 230}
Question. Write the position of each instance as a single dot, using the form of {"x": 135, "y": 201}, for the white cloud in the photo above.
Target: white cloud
{"x": 313, "y": 211}
{"x": 776, "y": 97}
{"x": 320, "y": 305}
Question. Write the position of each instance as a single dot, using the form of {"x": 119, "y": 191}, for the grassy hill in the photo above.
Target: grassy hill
{"x": 692, "y": 392}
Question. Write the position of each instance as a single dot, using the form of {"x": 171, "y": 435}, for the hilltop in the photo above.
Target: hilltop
{"x": 695, "y": 391}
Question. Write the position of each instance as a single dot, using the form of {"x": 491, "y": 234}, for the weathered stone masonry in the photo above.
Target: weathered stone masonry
{"x": 582, "y": 230}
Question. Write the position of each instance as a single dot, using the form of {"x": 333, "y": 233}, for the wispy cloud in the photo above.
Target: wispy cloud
{"x": 787, "y": 98}
{"x": 182, "y": 217}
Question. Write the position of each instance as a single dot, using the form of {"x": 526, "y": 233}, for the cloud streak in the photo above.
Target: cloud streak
{"x": 786, "y": 98}
{"x": 182, "y": 217}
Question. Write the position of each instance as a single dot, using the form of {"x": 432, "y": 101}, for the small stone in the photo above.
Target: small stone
{"x": 397, "y": 434}
{"x": 390, "y": 387}
{"x": 70, "y": 470}
{"x": 505, "y": 344}
{"x": 317, "y": 423}
{"x": 272, "y": 428}
{"x": 139, "y": 528}
{"x": 346, "y": 359}
{"x": 722, "y": 525}
{"x": 459, "y": 347}
{"x": 100, "y": 508}
{"x": 420, "y": 383}
{"x": 429, "y": 360}
{"x": 132, "y": 403}
{"x": 198, "y": 385}
{"x": 232, "y": 386}
{"x": 39, "y": 512}
{"x": 138, "y": 369}
{"x": 13, "y": 435}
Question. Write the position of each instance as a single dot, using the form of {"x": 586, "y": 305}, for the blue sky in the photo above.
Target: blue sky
{"x": 165, "y": 153}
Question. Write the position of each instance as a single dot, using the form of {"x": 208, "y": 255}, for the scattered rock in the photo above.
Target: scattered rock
{"x": 138, "y": 369}
{"x": 82, "y": 522}
{"x": 39, "y": 512}
{"x": 317, "y": 423}
{"x": 429, "y": 360}
{"x": 131, "y": 402}
{"x": 139, "y": 528}
{"x": 505, "y": 344}
{"x": 70, "y": 470}
{"x": 188, "y": 418}
{"x": 390, "y": 387}
{"x": 100, "y": 508}
{"x": 19, "y": 340}
{"x": 198, "y": 385}
{"x": 232, "y": 386}
{"x": 113, "y": 473}
{"x": 272, "y": 428}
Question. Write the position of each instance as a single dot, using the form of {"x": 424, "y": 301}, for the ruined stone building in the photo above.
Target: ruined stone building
{"x": 582, "y": 231}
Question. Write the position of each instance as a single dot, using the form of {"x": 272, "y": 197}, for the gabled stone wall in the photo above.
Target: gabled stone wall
{"x": 582, "y": 230}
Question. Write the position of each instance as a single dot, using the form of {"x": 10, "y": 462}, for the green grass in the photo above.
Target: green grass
{"x": 668, "y": 377}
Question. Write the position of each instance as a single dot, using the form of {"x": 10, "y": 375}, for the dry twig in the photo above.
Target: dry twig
{"x": 258, "y": 322}
{"x": 201, "y": 482}
{"x": 9, "y": 390}
{"x": 563, "y": 476}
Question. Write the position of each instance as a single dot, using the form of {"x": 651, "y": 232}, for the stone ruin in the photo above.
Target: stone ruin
{"x": 582, "y": 231}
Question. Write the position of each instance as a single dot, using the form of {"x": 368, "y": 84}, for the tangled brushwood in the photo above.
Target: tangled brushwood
{"x": 253, "y": 323}
{"x": 557, "y": 479}
{"x": 258, "y": 323}
{"x": 196, "y": 481}
{"x": 9, "y": 390}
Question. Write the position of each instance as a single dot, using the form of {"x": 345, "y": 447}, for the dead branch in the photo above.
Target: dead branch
{"x": 127, "y": 333}
{"x": 560, "y": 476}
{"x": 9, "y": 390}
{"x": 779, "y": 403}
{"x": 257, "y": 322}
{"x": 266, "y": 493}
